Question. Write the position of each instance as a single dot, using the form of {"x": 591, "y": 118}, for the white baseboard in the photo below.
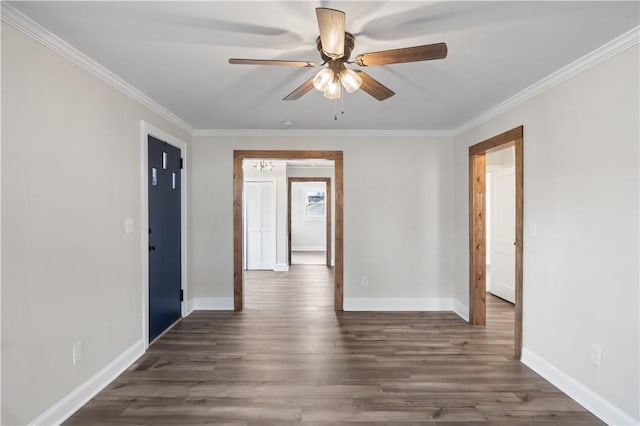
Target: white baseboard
{"x": 213, "y": 303}
{"x": 398, "y": 304}
{"x": 190, "y": 307}
{"x": 281, "y": 267}
{"x": 309, "y": 248}
{"x": 600, "y": 407}
{"x": 461, "y": 309}
{"x": 64, "y": 408}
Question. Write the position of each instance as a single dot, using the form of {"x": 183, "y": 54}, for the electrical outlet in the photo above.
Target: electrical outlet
{"x": 78, "y": 352}
{"x": 364, "y": 282}
{"x": 595, "y": 354}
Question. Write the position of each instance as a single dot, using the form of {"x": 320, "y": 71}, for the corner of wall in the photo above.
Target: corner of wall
{"x": 68, "y": 405}
{"x": 600, "y": 407}
{"x": 461, "y": 309}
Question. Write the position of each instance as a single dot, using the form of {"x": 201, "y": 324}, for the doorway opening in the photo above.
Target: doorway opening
{"x": 309, "y": 220}
{"x": 241, "y": 231}
{"x": 498, "y": 196}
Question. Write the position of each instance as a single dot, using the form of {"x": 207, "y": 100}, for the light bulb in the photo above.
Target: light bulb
{"x": 323, "y": 78}
{"x": 350, "y": 80}
{"x": 334, "y": 90}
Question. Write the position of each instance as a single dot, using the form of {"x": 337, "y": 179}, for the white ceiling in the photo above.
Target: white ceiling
{"x": 176, "y": 53}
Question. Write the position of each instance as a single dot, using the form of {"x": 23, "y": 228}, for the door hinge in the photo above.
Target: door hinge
{"x": 181, "y": 163}
{"x": 181, "y": 295}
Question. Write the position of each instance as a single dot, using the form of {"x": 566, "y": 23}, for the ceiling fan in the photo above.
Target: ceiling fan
{"x": 335, "y": 46}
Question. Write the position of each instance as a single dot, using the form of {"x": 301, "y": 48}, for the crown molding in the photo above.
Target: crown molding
{"x": 591, "y": 59}
{"x": 320, "y": 132}
{"x": 28, "y": 26}
{"x": 23, "y": 23}
{"x": 604, "y": 52}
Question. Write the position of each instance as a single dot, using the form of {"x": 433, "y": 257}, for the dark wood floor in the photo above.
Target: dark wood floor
{"x": 290, "y": 359}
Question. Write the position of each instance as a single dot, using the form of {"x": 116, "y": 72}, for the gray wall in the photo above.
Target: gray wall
{"x": 581, "y": 193}
{"x": 70, "y": 175}
{"x": 398, "y": 211}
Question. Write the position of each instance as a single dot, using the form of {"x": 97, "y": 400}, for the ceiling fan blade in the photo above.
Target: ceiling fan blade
{"x": 301, "y": 90}
{"x": 237, "y": 61}
{"x": 331, "y": 25}
{"x": 407, "y": 54}
{"x": 374, "y": 87}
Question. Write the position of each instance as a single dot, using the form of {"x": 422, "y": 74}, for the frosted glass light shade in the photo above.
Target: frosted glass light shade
{"x": 334, "y": 90}
{"x": 323, "y": 78}
{"x": 350, "y": 80}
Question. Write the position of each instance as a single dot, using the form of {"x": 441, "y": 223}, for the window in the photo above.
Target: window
{"x": 315, "y": 205}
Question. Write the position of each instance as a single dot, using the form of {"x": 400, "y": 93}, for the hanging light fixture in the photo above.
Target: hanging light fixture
{"x": 350, "y": 80}
{"x": 323, "y": 78}
{"x": 334, "y": 90}
{"x": 263, "y": 166}
{"x": 328, "y": 82}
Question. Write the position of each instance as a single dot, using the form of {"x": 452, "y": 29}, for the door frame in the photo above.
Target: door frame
{"x": 146, "y": 130}
{"x": 245, "y": 259}
{"x": 328, "y": 211}
{"x": 238, "y": 183}
{"x": 477, "y": 227}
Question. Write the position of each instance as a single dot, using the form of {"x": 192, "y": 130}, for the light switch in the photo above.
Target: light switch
{"x": 128, "y": 226}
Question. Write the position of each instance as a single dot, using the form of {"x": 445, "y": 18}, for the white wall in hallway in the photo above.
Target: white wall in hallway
{"x": 581, "y": 245}
{"x": 496, "y": 161}
{"x": 329, "y": 172}
{"x": 308, "y": 234}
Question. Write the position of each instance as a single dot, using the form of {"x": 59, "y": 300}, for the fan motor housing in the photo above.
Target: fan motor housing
{"x": 349, "y": 43}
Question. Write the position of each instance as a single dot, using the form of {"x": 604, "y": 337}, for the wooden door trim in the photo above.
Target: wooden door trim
{"x": 238, "y": 241}
{"x": 328, "y": 211}
{"x": 477, "y": 226}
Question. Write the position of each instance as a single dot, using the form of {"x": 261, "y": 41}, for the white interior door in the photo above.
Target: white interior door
{"x": 503, "y": 233}
{"x": 260, "y": 222}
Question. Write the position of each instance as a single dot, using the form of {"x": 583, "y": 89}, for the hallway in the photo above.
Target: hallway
{"x": 290, "y": 359}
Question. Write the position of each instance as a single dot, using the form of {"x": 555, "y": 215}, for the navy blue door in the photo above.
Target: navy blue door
{"x": 164, "y": 236}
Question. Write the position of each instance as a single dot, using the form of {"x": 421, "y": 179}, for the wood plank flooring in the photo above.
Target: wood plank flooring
{"x": 289, "y": 359}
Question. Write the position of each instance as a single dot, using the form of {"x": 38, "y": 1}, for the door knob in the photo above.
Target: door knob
{"x": 152, "y": 247}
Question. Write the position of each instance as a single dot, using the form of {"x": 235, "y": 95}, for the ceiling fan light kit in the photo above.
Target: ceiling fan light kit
{"x": 323, "y": 78}
{"x": 328, "y": 82}
{"x": 350, "y": 80}
{"x": 333, "y": 91}
{"x": 335, "y": 47}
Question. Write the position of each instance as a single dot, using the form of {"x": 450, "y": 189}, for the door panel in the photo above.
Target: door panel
{"x": 253, "y": 198}
{"x": 260, "y": 217}
{"x": 165, "y": 275}
{"x": 503, "y": 233}
{"x": 268, "y": 225}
